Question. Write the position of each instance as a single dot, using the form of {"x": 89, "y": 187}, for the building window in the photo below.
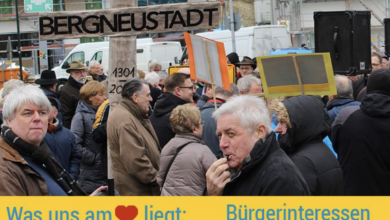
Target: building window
{"x": 57, "y": 5}
{"x": 5, "y": 7}
{"x": 93, "y": 4}
{"x": 91, "y": 39}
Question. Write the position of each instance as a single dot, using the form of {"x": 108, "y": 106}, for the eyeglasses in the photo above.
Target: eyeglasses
{"x": 202, "y": 123}
{"x": 245, "y": 68}
{"x": 375, "y": 64}
{"x": 187, "y": 87}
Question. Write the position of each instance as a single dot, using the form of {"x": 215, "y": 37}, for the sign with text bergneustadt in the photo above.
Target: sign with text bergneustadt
{"x": 129, "y": 21}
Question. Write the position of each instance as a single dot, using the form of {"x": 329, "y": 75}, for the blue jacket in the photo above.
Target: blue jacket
{"x": 62, "y": 146}
{"x": 334, "y": 107}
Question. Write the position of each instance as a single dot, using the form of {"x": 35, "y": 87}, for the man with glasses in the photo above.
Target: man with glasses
{"x": 179, "y": 90}
{"x": 70, "y": 93}
{"x": 246, "y": 66}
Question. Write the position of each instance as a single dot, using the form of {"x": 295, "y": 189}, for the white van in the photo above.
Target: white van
{"x": 83, "y": 52}
{"x": 253, "y": 41}
{"x": 168, "y": 53}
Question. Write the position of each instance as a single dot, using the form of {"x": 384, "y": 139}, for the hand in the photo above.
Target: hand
{"x": 217, "y": 176}
{"x": 98, "y": 190}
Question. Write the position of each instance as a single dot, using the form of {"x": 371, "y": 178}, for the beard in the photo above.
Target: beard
{"x": 81, "y": 80}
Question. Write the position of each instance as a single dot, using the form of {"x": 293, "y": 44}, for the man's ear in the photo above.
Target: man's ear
{"x": 261, "y": 131}
{"x": 177, "y": 91}
{"x": 134, "y": 97}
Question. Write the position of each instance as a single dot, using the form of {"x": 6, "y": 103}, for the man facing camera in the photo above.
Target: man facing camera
{"x": 253, "y": 162}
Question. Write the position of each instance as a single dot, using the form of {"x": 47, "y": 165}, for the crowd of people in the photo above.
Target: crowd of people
{"x": 173, "y": 135}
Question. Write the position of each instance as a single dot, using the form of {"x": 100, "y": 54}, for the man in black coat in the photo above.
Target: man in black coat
{"x": 70, "y": 92}
{"x": 303, "y": 124}
{"x": 360, "y": 136}
{"x": 179, "y": 91}
{"x": 254, "y": 164}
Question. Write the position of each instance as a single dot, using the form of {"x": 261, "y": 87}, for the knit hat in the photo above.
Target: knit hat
{"x": 233, "y": 58}
{"x": 379, "y": 82}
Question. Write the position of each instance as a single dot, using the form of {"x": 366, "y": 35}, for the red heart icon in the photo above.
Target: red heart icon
{"x": 126, "y": 213}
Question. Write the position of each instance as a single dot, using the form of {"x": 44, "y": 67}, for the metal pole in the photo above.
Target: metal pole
{"x": 18, "y": 30}
{"x": 232, "y": 26}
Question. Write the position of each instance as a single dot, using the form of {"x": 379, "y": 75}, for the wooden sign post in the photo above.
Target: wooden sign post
{"x": 122, "y": 23}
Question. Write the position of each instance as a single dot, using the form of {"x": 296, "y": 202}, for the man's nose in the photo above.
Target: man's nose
{"x": 37, "y": 116}
{"x": 223, "y": 143}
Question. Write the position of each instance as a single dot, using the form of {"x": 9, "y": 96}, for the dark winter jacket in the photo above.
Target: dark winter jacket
{"x": 303, "y": 144}
{"x": 359, "y": 89}
{"x": 360, "y": 136}
{"x": 210, "y": 126}
{"x": 62, "y": 146}
{"x": 335, "y": 106}
{"x": 91, "y": 175}
{"x": 160, "y": 117}
{"x": 155, "y": 93}
{"x": 69, "y": 98}
{"x": 99, "y": 78}
{"x": 267, "y": 170}
{"x": 54, "y": 95}
{"x": 99, "y": 131}
{"x": 202, "y": 101}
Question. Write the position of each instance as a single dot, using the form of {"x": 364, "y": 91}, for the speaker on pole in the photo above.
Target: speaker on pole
{"x": 346, "y": 35}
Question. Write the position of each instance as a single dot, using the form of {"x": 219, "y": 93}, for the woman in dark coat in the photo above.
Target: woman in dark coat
{"x": 303, "y": 124}
{"x": 91, "y": 175}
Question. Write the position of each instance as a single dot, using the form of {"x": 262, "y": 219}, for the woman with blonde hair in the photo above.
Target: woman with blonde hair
{"x": 91, "y": 173}
{"x": 185, "y": 159}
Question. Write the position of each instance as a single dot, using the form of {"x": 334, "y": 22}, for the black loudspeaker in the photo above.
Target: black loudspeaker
{"x": 386, "y": 22}
{"x": 346, "y": 35}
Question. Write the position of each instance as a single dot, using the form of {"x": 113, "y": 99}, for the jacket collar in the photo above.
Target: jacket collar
{"x": 11, "y": 154}
{"x": 339, "y": 101}
{"x": 258, "y": 154}
{"x": 134, "y": 109}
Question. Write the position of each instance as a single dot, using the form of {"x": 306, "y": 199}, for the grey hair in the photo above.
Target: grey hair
{"x": 10, "y": 85}
{"x": 233, "y": 91}
{"x": 92, "y": 63}
{"x": 244, "y": 84}
{"x": 250, "y": 110}
{"x": 162, "y": 74}
{"x": 153, "y": 63}
{"x": 343, "y": 86}
{"x": 134, "y": 85}
{"x": 152, "y": 78}
{"x": 22, "y": 95}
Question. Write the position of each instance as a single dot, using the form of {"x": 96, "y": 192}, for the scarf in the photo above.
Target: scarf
{"x": 41, "y": 155}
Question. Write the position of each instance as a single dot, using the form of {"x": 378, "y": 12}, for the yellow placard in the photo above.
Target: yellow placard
{"x": 279, "y": 74}
{"x": 196, "y": 208}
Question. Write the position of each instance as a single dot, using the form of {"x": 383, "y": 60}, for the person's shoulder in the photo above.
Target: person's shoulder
{"x": 344, "y": 114}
